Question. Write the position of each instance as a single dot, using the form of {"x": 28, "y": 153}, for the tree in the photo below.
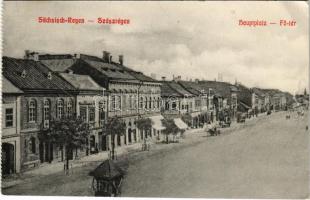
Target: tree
{"x": 171, "y": 128}
{"x": 70, "y": 132}
{"x": 144, "y": 124}
{"x": 115, "y": 126}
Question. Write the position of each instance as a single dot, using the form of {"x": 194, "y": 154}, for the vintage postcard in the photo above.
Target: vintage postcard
{"x": 197, "y": 99}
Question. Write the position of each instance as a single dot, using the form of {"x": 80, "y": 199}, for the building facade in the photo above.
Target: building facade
{"x": 131, "y": 94}
{"x": 10, "y": 137}
{"x": 45, "y": 96}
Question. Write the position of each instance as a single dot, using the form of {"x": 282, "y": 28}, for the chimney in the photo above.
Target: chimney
{"x": 163, "y": 78}
{"x": 31, "y": 55}
{"x": 106, "y": 56}
{"x": 121, "y": 59}
{"x": 196, "y": 80}
{"x": 77, "y": 56}
{"x": 110, "y": 59}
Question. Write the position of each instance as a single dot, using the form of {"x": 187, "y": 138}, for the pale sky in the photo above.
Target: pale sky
{"x": 190, "y": 39}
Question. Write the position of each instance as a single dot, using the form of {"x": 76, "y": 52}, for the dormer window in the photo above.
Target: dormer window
{"x": 49, "y": 75}
{"x": 24, "y": 73}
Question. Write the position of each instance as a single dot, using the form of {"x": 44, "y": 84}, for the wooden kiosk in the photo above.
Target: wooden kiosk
{"x": 107, "y": 179}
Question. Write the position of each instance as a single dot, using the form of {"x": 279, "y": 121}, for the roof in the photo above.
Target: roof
{"x": 220, "y": 88}
{"x": 167, "y": 91}
{"x": 192, "y": 87}
{"x": 59, "y": 65}
{"x": 9, "y": 88}
{"x": 81, "y": 82}
{"x": 177, "y": 87}
{"x": 36, "y": 75}
{"x": 258, "y": 91}
{"x": 113, "y": 70}
{"x": 107, "y": 170}
{"x": 140, "y": 76}
{"x": 110, "y": 70}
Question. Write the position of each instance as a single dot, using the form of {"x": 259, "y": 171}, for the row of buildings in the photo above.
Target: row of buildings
{"x": 41, "y": 87}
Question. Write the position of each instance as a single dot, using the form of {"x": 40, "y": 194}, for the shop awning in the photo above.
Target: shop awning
{"x": 156, "y": 122}
{"x": 180, "y": 123}
{"x": 245, "y": 106}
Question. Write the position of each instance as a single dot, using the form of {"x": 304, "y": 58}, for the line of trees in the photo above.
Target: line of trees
{"x": 72, "y": 132}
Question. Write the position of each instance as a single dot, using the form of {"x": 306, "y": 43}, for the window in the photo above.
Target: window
{"x": 70, "y": 108}
{"x": 145, "y": 103}
{"x": 150, "y": 103}
{"x": 113, "y": 103}
{"x": 101, "y": 113}
{"x": 119, "y": 102}
{"x": 9, "y": 117}
{"x": 83, "y": 112}
{"x": 130, "y": 102}
{"x": 154, "y": 103}
{"x": 134, "y": 100}
{"x": 46, "y": 110}
{"x": 174, "y": 105}
{"x": 60, "y": 108}
{"x": 32, "y": 111}
{"x": 32, "y": 145}
{"x": 141, "y": 103}
{"x": 124, "y": 99}
{"x": 167, "y": 106}
{"x": 158, "y": 102}
{"x": 91, "y": 112}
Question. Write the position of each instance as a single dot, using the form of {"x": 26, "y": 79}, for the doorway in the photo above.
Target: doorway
{"x": 8, "y": 159}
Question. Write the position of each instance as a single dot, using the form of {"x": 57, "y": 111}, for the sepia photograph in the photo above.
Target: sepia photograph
{"x": 171, "y": 99}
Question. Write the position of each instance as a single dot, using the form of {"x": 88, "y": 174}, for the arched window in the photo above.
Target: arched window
{"x": 124, "y": 102}
{"x": 130, "y": 102}
{"x": 32, "y": 145}
{"x": 174, "y": 105}
{"x": 167, "y": 105}
{"x": 158, "y": 102}
{"x": 141, "y": 103}
{"x": 60, "y": 108}
{"x": 150, "y": 103}
{"x": 154, "y": 103}
{"x": 119, "y": 102}
{"x": 70, "y": 107}
{"x": 46, "y": 110}
{"x": 101, "y": 113}
{"x": 32, "y": 111}
{"x": 134, "y": 101}
{"x": 113, "y": 102}
{"x": 145, "y": 103}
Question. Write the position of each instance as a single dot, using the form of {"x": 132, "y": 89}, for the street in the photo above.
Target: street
{"x": 267, "y": 157}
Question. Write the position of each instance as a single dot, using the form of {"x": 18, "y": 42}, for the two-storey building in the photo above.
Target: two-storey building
{"x": 10, "y": 136}
{"x": 131, "y": 94}
{"x": 200, "y": 115}
{"x": 46, "y": 95}
{"x": 91, "y": 106}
